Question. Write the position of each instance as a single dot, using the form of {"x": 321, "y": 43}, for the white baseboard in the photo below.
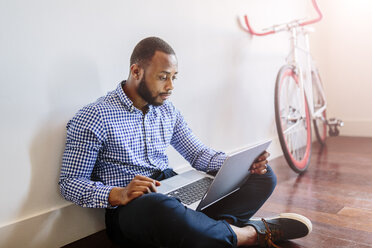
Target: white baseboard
{"x": 358, "y": 128}
{"x": 53, "y": 229}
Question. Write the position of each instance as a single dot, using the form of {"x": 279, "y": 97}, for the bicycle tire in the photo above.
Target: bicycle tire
{"x": 320, "y": 126}
{"x": 296, "y": 145}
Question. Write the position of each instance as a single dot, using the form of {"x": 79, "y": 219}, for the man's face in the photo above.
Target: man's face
{"x": 157, "y": 81}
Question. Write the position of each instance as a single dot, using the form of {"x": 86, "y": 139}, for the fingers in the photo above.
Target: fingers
{"x": 143, "y": 189}
{"x": 259, "y": 167}
{"x": 143, "y": 178}
{"x": 139, "y": 186}
{"x": 263, "y": 156}
{"x": 143, "y": 184}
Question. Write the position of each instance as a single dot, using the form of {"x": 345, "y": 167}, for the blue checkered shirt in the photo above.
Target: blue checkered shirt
{"x": 110, "y": 141}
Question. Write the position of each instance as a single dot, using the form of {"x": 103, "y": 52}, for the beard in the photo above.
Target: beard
{"x": 146, "y": 94}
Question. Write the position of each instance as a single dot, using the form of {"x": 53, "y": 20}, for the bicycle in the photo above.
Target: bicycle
{"x": 299, "y": 95}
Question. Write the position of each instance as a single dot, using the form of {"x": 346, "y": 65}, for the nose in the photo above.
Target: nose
{"x": 169, "y": 86}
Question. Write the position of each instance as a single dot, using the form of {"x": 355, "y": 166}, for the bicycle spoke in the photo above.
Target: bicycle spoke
{"x": 292, "y": 127}
{"x": 296, "y": 139}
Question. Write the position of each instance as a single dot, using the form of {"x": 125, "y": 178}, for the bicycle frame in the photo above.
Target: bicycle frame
{"x": 304, "y": 70}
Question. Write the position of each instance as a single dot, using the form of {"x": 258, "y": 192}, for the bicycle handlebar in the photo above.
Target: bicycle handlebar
{"x": 251, "y": 31}
{"x": 320, "y": 15}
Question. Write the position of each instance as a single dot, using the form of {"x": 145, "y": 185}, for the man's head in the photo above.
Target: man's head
{"x": 146, "y": 48}
{"x": 153, "y": 68}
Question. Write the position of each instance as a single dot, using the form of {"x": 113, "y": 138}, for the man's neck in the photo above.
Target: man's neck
{"x": 131, "y": 92}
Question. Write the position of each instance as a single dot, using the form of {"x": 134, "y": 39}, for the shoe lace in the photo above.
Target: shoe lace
{"x": 269, "y": 235}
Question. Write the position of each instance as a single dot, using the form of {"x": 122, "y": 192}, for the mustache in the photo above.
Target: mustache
{"x": 166, "y": 93}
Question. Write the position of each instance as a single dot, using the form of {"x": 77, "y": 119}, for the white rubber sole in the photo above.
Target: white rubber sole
{"x": 292, "y": 216}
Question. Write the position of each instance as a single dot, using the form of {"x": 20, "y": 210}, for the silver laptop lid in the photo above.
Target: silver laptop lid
{"x": 233, "y": 173}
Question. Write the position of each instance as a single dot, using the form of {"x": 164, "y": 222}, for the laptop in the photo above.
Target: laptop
{"x": 198, "y": 190}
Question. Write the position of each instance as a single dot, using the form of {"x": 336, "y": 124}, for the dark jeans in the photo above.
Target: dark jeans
{"x": 156, "y": 220}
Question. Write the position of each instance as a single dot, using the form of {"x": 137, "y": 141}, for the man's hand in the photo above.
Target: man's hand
{"x": 260, "y": 165}
{"x": 139, "y": 186}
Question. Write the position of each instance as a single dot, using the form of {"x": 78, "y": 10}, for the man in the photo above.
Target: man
{"x": 115, "y": 158}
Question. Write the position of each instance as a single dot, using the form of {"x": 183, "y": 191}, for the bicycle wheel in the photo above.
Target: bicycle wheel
{"x": 319, "y": 121}
{"x": 294, "y": 130}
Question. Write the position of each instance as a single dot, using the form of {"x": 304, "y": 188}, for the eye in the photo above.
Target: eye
{"x": 163, "y": 78}
{"x": 174, "y": 78}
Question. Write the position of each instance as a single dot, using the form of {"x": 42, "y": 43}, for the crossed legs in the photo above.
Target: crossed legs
{"x": 155, "y": 220}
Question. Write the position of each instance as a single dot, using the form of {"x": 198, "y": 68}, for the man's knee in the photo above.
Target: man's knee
{"x": 266, "y": 181}
{"x": 271, "y": 177}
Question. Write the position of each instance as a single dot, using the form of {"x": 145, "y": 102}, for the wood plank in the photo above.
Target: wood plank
{"x": 322, "y": 195}
{"x": 357, "y": 213}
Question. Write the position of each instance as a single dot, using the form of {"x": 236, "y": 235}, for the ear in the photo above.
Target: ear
{"x": 136, "y": 71}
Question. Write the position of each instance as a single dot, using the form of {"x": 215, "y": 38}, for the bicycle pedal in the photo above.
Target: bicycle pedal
{"x": 333, "y": 131}
{"x": 335, "y": 122}
{"x": 333, "y": 125}
{"x": 340, "y": 123}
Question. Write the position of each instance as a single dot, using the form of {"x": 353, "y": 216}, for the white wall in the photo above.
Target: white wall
{"x": 57, "y": 56}
{"x": 342, "y": 47}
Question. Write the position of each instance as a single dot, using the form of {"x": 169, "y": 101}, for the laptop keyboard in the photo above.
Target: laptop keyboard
{"x": 192, "y": 192}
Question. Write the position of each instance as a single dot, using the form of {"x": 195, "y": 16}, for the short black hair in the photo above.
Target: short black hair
{"x": 146, "y": 48}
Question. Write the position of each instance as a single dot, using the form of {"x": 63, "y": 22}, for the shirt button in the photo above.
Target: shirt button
{"x": 101, "y": 204}
{"x": 148, "y": 139}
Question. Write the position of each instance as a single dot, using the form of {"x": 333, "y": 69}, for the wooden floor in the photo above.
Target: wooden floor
{"x": 335, "y": 194}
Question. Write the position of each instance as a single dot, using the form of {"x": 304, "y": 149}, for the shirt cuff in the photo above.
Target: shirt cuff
{"x": 216, "y": 161}
{"x": 101, "y": 197}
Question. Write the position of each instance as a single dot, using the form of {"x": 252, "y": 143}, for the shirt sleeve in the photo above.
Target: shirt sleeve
{"x": 193, "y": 150}
{"x": 85, "y": 135}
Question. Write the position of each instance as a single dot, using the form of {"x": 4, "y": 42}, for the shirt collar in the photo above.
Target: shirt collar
{"x": 124, "y": 99}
